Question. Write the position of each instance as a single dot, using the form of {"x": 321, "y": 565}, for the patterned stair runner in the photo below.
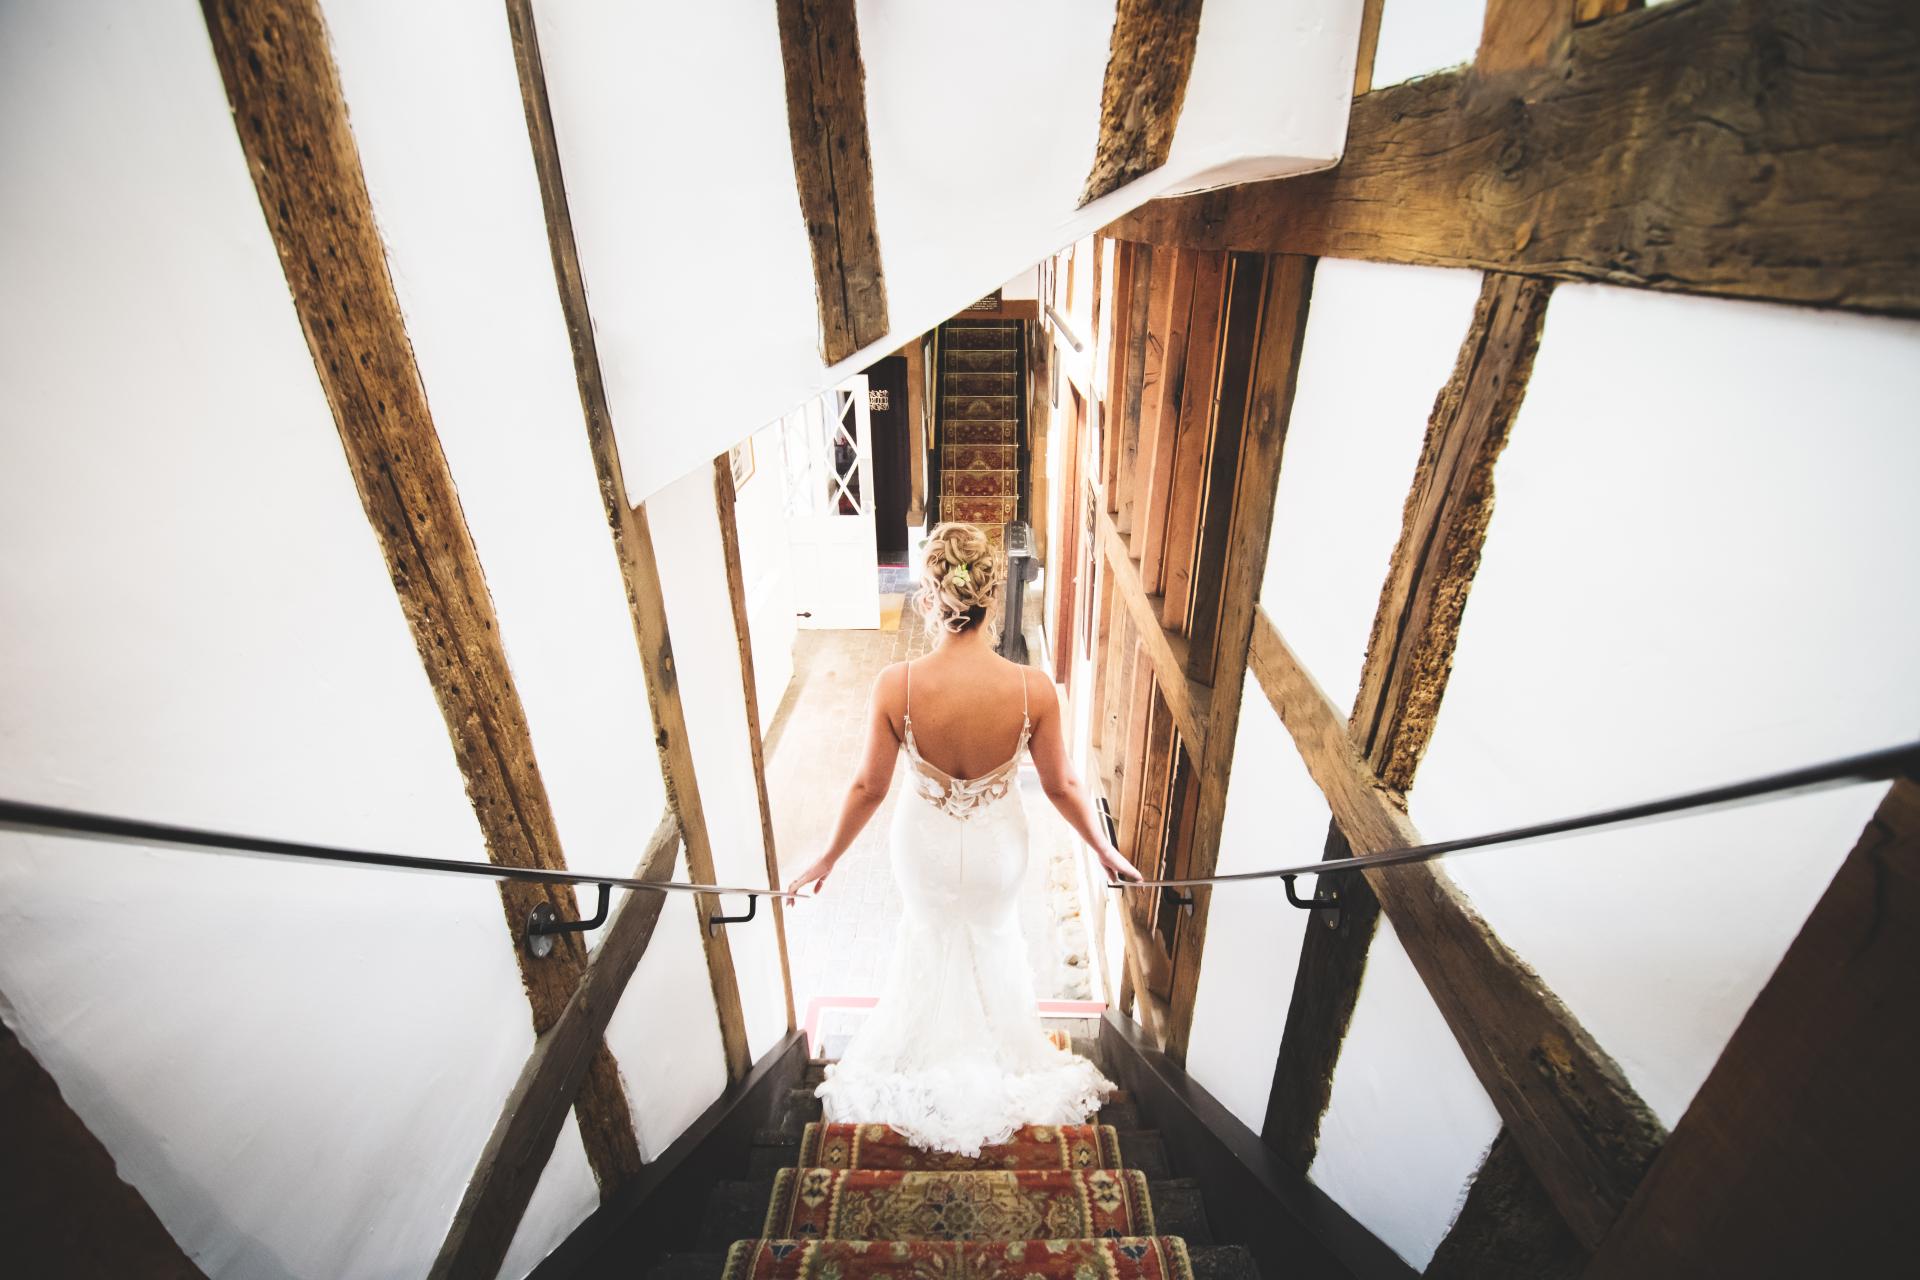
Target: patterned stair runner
{"x": 1051, "y": 1203}
{"x": 875, "y": 1146}
{"x": 980, "y": 422}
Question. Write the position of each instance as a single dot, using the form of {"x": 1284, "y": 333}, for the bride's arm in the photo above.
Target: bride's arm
{"x": 1063, "y": 785}
{"x": 870, "y": 782}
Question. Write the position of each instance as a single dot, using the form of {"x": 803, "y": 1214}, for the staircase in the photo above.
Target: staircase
{"x": 854, "y": 1201}
{"x": 979, "y": 422}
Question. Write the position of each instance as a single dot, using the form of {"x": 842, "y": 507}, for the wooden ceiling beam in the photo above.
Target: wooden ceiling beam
{"x": 1585, "y": 1132}
{"x": 1149, "y": 61}
{"x": 292, "y": 122}
{"x": 833, "y": 169}
{"x": 1762, "y": 149}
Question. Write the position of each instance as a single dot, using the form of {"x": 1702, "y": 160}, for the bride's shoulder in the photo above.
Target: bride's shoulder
{"x": 890, "y": 686}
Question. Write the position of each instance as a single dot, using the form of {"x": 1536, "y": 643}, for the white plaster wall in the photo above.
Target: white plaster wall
{"x": 706, "y": 656}
{"x": 1699, "y": 569}
{"x": 1275, "y": 817}
{"x": 689, "y": 230}
{"x": 565, "y": 1184}
{"x": 665, "y": 1031}
{"x": 766, "y": 571}
{"x": 1407, "y": 1124}
{"x": 198, "y": 628}
{"x": 1381, "y": 341}
{"x": 1420, "y": 37}
{"x": 454, "y": 190}
{"x": 1234, "y": 125}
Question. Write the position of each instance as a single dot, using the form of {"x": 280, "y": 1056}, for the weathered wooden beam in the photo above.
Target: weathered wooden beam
{"x": 1516, "y": 34}
{"x": 522, "y": 1141}
{"x": 1239, "y": 346}
{"x": 1190, "y": 701}
{"x": 1585, "y": 1132}
{"x": 1585, "y": 11}
{"x": 1369, "y": 45}
{"x": 632, "y": 540}
{"x": 1765, "y": 149}
{"x": 1507, "y": 1228}
{"x": 827, "y": 122}
{"x": 1149, "y": 60}
{"x": 1132, "y": 341}
{"x": 1409, "y": 657}
{"x": 292, "y": 122}
{"x": 1796, "y": 1156}
{"x": 1160, "y": 428}
{"x": 1109, "y": 408}
{"x": 1265, "y": 406}
{"x": 726, "y": 508}
{"x": 1187, "y": 484}
{"x": 64, "y": 1208}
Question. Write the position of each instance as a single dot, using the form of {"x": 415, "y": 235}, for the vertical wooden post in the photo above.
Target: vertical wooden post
{"x": 1262, "y": 399}
{"x": 633, "y": 541}
{"x": 726, "y": 506}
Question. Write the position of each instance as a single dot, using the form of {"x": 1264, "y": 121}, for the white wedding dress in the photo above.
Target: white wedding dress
{"x": 954, "y": 1056}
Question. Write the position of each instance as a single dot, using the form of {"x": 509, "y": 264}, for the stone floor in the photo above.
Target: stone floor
{"x": 839, "y": 943}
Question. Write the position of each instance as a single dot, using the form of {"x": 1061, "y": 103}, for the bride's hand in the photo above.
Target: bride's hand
{"x": 815, "y": 875}
{"x": 1118, "y": 867}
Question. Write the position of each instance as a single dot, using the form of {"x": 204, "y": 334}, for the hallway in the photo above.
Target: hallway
{"x": 838, "y": 945}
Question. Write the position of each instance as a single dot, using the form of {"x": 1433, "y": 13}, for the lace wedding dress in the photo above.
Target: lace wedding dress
{"x": 953, "y": 1056}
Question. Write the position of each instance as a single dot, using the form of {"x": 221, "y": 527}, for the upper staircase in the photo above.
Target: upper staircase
{"x": 854, "y": 1201}
{"x": 979, "y": 422}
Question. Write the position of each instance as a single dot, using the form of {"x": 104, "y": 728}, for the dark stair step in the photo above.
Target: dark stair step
{"x": 1139, "y": 1149}
{"x": 1210, "y": 1262}
{"x": 737, "y": 1209}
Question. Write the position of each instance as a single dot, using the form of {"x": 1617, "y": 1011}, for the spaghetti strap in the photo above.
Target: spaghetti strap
{"x": 1023, "y": 696}
{"x": 907, "y": 710}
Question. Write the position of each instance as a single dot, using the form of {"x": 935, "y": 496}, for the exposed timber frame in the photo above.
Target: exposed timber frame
{"x": 292, "y": 122}
{"x": 1149, "y": 60}
{"x": 1409, "y": 657}
{"x": 1248, "y": 400}
{"x": 726, "y": 508}
{"x": 833, "y": 168}
{"x": 632, "y": 538}
{"x": 522, "y": 1141}
{"x": 1586, "y": 1134}
{"x": 64, "y": 1208}
{"x": 1790, "y": 1160}
{"x": 1773, "y": 147}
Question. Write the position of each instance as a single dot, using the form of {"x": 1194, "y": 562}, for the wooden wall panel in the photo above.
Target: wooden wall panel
{"x": 1187, "y": 469}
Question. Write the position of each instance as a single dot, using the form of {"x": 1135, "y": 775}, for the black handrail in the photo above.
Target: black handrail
{"x": 19, "y": 816}
{"x": 1873, "y": 766}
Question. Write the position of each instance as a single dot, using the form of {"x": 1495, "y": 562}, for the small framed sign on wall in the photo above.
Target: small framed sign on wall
{"x": 741, "y": 456}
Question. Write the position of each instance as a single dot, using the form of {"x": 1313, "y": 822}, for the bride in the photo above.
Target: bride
{"x": 953, "y": 1056}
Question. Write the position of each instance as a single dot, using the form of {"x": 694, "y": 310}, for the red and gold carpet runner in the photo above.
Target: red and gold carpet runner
{"x": 980, "y": 422}
{"x": 877, "y": 1146}
{"x": 1053, "y": 1203}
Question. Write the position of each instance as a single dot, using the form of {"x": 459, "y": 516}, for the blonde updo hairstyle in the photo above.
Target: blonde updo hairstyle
{"x": 960, "y": 576}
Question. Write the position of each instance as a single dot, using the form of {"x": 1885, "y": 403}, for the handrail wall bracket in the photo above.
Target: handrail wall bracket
{"x": 715, "y": 921}
{"x": 1325, "y": 902}
{"x": 543, "y": 922}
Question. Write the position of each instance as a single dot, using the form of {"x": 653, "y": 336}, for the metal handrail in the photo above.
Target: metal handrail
{"x": 1873, "y": 766}
{"x": 1066, "y": 330}
{"x": 17, "y": 815}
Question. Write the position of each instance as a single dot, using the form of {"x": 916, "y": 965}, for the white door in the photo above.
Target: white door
{"x": 829, "y": 457}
